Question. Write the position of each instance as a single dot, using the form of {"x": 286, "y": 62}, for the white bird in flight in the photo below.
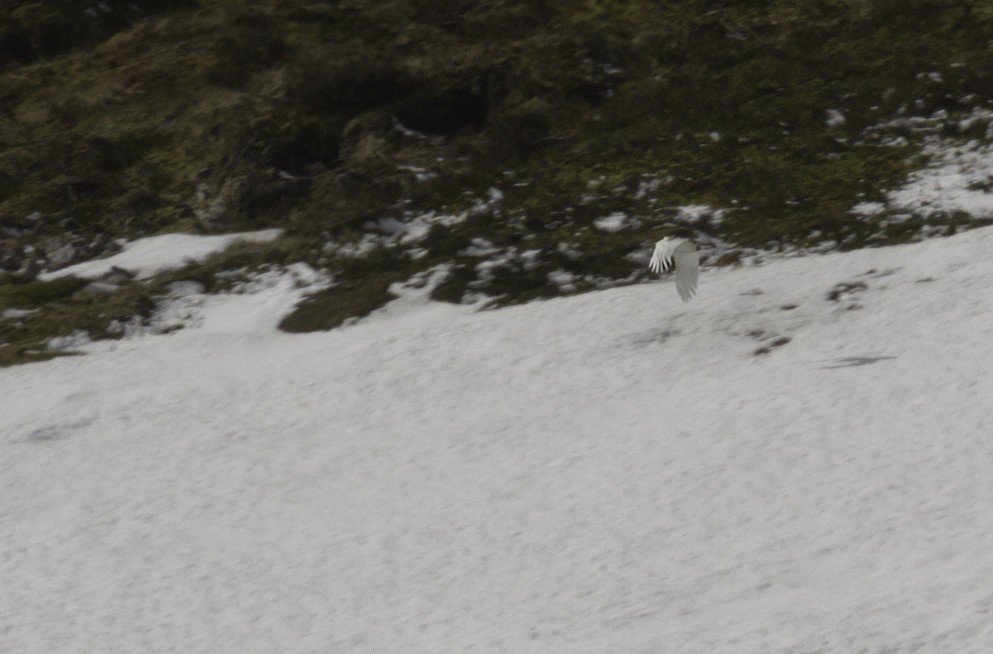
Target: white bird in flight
{"x": 681, "y": 254}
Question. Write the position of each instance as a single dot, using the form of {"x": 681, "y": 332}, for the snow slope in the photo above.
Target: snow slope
{"x": 612, "y": 472}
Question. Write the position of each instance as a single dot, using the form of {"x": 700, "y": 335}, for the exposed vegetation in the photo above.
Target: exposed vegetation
{"x": 130, "y": 119}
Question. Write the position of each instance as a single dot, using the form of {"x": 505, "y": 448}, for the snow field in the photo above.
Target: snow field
{"x": 612, "y": 472}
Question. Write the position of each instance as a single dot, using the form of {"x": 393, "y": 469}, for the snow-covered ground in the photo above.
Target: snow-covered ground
{"x": 612, "y": 472}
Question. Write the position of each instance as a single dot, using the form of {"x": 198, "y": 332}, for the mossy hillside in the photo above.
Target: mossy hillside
{"x": 740, "y": 121}
{"x": 322, "y": 117}
{"x": 228, "y": 92}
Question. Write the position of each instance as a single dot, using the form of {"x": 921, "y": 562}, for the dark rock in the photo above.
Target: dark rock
{"x": 99, "y": 288}
{"x": 59, "y": 251}
{"x": 28, "y": 272}
{"x": 368, "y": 136}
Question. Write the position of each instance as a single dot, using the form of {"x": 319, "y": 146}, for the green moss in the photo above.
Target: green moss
{"x": 36, "y": 294}
{"x": 454, "y": 285}
{"x": 728, "y": 259}
{"x": 331, "y": 307}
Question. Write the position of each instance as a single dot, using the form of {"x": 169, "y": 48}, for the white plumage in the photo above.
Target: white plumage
{"x": 682, "y": 255}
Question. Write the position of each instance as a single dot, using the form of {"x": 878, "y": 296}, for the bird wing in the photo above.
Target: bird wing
{"x": 687, "y": 261}
{"x": 662, "y": 255}
{"x": 682, "y": 255}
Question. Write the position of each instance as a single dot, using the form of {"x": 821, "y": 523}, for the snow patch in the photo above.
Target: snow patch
{"x": 395, "y": 233}
{"x": 147, "y": 257}
{"x": 13, "y": 314}
{"x": 615, "y": 222}
{"x": 958, "y": 178}
{"x": 694, "y": 214}
{"x": 71, "y": 343}
{"x": 253, "y": 306}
